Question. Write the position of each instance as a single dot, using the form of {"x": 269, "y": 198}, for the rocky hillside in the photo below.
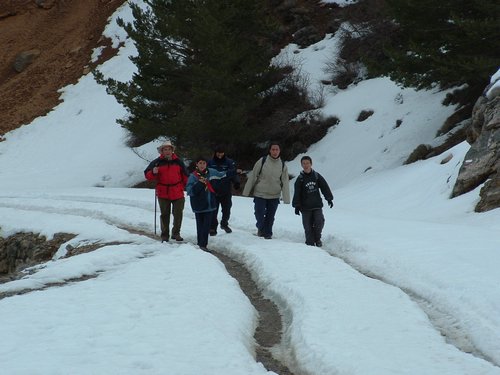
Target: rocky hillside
{"x": 482, "y": 162}
{"x": 46, "y": 45}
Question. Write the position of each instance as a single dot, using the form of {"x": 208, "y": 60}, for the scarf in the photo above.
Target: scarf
{"x": 198, "y": 174}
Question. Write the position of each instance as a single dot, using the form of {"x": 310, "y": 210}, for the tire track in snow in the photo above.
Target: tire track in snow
{"x": 268, "y": 332}
{"x": 444, "y": 322}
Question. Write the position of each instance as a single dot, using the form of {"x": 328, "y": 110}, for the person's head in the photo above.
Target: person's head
{"x": 274, "y": 150}
{"x": 201, "y": 163}
{"x": 219, "y": 151}
{"x": 306, "y": 163}
{"x": 166, "y": 149}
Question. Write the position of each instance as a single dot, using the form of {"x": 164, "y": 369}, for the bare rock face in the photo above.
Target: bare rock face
{"x": 482, "y": 162}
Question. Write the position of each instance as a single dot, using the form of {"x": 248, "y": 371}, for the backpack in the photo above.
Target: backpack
{"x": 262, "y": 165}
{"x": 301, "y": 177}
{"x": 264, "y": 160}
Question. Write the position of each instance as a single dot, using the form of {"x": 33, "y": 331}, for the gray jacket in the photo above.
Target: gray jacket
{"x": 271, "y": 182}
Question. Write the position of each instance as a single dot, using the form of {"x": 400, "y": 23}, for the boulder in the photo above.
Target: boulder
{"x": 26, "y": 249}
{"x": 482, "y": 162}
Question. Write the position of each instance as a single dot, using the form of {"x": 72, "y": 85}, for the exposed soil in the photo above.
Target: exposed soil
{"x": 269, "y": 330}
{"x": 64, "y": 32}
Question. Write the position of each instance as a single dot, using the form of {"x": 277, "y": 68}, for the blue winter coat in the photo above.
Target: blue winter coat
{"x": 202, "y": 199}
{"x": 223, "y": 185}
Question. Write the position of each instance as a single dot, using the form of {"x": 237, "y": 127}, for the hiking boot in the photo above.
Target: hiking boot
{"x": 227, "y": 229}
{"x": 260, "y": 233}
{"x": 177, "y": 237}
{"x": 212, "y": 232}
{"x": 164, "y": 238}
{"x": 319, "y": 243}
{"x": 204, "y": 248}
{"x": 268, "y": 237}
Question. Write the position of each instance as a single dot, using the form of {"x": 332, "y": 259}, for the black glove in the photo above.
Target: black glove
{"x": 330, "y": 204}
{"x": 236, "y": 186}
{"x": 297, "y": 211}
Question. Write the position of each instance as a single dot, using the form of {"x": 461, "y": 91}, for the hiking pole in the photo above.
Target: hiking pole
{"x": 155, "y": 211}
{"x": 156, "y": 193}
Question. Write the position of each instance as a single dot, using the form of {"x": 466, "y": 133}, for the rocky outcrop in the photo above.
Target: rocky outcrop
{"x": 306, "y": 21}
{"x": 25, "y": 249}
{"x": 455, "y": 136}
{"x": 482, "y": 162}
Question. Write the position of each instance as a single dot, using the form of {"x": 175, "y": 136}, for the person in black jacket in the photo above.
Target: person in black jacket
{"x": 223, "y": 195}
{"x": 307, "y": 200}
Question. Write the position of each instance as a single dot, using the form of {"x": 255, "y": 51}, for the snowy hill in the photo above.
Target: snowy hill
{"x": 407, "y": 282}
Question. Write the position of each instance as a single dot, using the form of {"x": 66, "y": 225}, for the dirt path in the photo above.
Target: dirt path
{"x": 269, "y": 329}
{"x": 64, "y": 32}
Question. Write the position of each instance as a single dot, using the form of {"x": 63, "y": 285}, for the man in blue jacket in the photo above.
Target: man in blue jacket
{"x": 223, "y": 194}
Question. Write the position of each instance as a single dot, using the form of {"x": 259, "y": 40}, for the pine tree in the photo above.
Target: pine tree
{"x": 449, "y": 42}
{"x": 202, "y": 66}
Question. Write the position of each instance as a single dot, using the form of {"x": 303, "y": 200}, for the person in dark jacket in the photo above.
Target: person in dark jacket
{"x": 202, "y": 197}
{"x": 307, "y": 201}
{"x": 170, "y": 174}
{"x": 222, "y": 187}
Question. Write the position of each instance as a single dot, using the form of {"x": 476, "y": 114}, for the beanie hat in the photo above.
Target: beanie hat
{"x": 165, "y": 144}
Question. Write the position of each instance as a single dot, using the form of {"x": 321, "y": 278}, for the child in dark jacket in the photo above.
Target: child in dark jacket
{"x": 307, "y": 200}
{"x": 202, "y": 197}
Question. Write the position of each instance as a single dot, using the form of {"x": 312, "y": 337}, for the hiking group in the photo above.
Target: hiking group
{"x": 210, "y": 186}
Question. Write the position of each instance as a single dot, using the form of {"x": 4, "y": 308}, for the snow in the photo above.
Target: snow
{"x": 340, "y": 3}
{"x": 406, "y": 283}
{"x": 495, "y": 85}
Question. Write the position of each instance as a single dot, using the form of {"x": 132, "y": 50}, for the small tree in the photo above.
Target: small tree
{"x": 202, "y": 66}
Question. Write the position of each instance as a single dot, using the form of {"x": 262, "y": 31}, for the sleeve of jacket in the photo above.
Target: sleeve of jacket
{"x": 297, "y": 193}
{"x": 183, "y": 172}
{"x": 325, "y": 189}
{"x": 235, "y": 179}
{"x": 148, "y": 172}
{"x": 251, "y": 178}
{"x": 231, "y": 169}
{"x": 285, "y": 190}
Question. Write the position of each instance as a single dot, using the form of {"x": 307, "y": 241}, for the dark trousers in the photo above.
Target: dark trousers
{"x": 313, "y": 222}
{"x": 225, "y": 203}
{"x": 203, "y": 220}
{"x": 176, "y": 207}
{"x": 265, "y": 210}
